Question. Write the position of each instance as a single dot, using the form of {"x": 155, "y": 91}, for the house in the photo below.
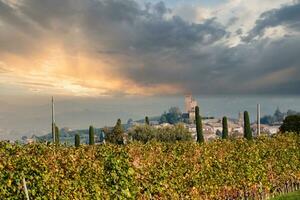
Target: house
{"x": 274, "y": 129}
{"x": 268, "y": 129}
{"x": 31, "y": 140}
{"x": 163, "y": 125}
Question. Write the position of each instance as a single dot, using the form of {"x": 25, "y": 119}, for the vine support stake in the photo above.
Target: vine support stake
{"x": 25, "y": 188}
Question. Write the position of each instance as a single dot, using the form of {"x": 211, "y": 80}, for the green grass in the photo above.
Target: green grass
{"x": 289, "y": 196}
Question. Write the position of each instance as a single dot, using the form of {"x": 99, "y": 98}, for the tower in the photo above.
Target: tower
{"x": 190, "y": 104}
{"x": 188, "y": 99}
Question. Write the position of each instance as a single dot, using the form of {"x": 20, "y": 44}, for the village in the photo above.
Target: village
{"x": 212, "y": 127}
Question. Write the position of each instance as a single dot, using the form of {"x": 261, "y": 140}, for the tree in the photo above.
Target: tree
{"x": 163, "y": 118}
{"x": 91, "y": 135}
{"x": 268, "y": 119}
{"x": 116, "y": 136}
{"x": 77, "y": 140}
{"x": 225, "y": 128}
{"x": 278, "y": 115}
{"x": 200, "y": 137}
{"x": 173, "y": 116}
{"x": 291, "y": 124}
{"x": 53, "y": 133}
{"x": 56, "y": 135}
{"x": 147, "y": 122}
{"x": 102, "y": 136}
{"x": 247, "y": 129}
{"x": 292, "y": 112}
{"x": 145, "y": 133}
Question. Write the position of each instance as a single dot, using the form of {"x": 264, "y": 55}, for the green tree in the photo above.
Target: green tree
{"x": 163, "y": 118}
{"x": 91, "y": 135}
{"x": 57, "y": 135}
{"x": 173, "y": 116}
{"x": 116, "y": 136}
{"x": 53, "y": 132}
{"x": 225, "y": 128}
{"x": 291, "y": 124}
{"x": 278, "y": 115}
{"x": 200, "y": 137}
{"x": 247, "y": 128}
{"x": 77, "y": 140}
{"x": 145, "y": 133}
{"x": 101, "y": 136}
{"x": 147, "y": 122}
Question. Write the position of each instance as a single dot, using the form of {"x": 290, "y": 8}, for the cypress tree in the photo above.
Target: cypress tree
{"x": 101, "y": 138}
{"x": 118, "y": 133}
{"x": 56, "y": 135}
{"x": 225, "y": 128}
{"x": 147, "y": 122}
{"x": 247, "y": 129}
{"x": 77, "y": 140}
{"x": 53, "y": 132}
{"x": 91, "y": 135}
{"x": 200, "y": 137}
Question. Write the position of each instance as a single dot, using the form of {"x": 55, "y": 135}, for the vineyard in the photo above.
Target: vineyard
{"x": 223, "y": 169}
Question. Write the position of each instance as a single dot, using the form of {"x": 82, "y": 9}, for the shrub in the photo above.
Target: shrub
{"x": 291, "y": 124}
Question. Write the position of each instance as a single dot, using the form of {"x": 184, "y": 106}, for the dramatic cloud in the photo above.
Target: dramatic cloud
{"x": 108, "y": 47}
{"x": 287, "y": 16}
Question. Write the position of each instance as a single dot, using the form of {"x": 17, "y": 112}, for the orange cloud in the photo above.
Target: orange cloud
{"x": 56, "y": 71}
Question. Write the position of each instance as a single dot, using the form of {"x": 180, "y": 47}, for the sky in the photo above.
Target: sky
{"x": 109, "y": 59}
{"x": 149, "y": 48}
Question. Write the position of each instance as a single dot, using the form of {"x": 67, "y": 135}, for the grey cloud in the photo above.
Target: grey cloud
{"x": 160, "y": 9}
{"x": 110, "y": 25}
{"x": 148, "y": 30}
{"x": 239, "y": 31}
{"x": 11, "y": 17}
{"x": 232, "y": 21}
{"x": 244, "y": 69}
{"x": 175, "y": 33}
{"x": 17, "y": 34}
{"x": 288, "y": 16}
